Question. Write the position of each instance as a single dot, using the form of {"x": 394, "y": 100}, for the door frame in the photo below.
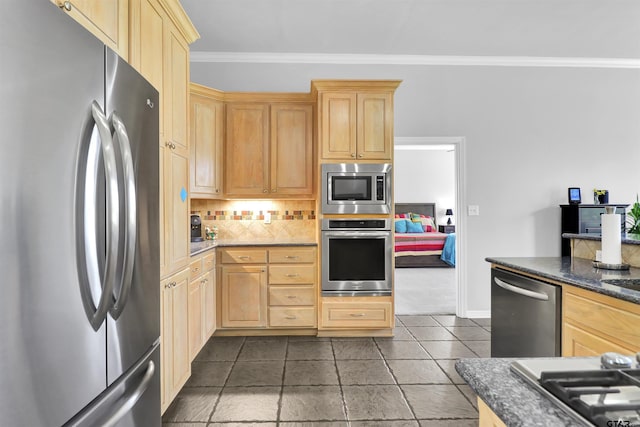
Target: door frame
{"x": 459, "y": 144}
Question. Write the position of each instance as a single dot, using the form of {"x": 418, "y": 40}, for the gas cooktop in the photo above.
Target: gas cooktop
{"x": 585, "y": 389}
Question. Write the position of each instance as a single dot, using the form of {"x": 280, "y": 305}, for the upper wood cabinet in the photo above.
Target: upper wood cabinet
{"x": 355, "y": 119}
{"x": 108, "y": 20}
{"x": 206, "y": 140}
{"x": 269, "y": 150}
{"x": 160, "y": 33}
{"x": 291, "y": 149}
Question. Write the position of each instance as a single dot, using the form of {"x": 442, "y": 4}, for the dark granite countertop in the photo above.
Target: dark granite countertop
{"x": 199, "y": 247}
{"x": 628, "y": 239}
{"x": 511, "y": 398}
{"x": 577, "y": 272}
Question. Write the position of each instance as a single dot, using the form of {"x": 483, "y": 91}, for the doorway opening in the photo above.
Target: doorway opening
{"x": 429, "y": 177}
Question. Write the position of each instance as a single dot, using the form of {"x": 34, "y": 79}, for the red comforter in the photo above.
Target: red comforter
{"x": 419, "y": 243}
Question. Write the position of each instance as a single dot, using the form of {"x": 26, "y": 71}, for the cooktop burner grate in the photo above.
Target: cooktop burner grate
{"x": 607, "y": 397}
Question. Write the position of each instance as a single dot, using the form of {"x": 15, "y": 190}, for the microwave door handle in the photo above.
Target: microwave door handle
{"x": 518, "y": 290}
{"x": 129, "y": 188}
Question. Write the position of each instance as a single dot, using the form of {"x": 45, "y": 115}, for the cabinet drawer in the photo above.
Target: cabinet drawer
{"x": 244, "y": 256}
{"x": 357, "y": 315}
{"x": 292, "y": 255}
{"x": 291, "y": 295}
{"x": 292, "y": 317}
{"x": 209, "y": 261}
{"x": 195, "y": 267}
{"x": 285, "y": 274}
{"x": 594, "y": 313}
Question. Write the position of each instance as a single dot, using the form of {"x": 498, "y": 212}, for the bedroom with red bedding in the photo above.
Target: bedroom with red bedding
{"x": 417, "y": 241}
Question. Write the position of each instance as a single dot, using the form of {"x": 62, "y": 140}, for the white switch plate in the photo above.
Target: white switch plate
{"x": 267, "y": 217}
{"x": 474, "y": 210}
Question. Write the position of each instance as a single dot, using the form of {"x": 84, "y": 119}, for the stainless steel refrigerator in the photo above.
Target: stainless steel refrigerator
{"x": 79, "y": 246}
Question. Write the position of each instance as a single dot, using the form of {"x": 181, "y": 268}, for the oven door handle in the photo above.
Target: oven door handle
{"x": 357, "y": 234}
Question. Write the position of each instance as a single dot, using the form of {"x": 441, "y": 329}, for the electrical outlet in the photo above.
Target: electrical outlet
{"x": 267, "y": 217}
{"x": 474, "y": 210}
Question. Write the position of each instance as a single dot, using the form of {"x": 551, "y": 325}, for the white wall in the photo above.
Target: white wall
{"x": 423, "y": 176}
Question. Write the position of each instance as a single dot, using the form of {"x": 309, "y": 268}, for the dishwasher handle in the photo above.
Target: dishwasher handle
{"x": 518, "y": 290}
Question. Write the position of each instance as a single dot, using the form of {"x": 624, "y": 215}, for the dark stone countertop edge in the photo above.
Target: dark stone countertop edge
{"x": 594, "y": 285}
{"x": 627, "y": 239}
{"x": 514, "y": 401}
{"x": 231, "y": 243}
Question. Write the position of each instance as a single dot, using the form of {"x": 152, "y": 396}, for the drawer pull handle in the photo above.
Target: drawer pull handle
{"x": 357, "y": 314}
{"x": 291, "y": 296}
{"x": 244, "y": 257}
{"x": 292, "y": 275}
{"x": 290, "y": 317}
{"x": 292, "y": 257}
{"x": 196, "y": 268}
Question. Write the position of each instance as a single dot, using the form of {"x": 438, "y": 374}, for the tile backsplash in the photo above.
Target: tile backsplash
{"x": 244, "y": 219}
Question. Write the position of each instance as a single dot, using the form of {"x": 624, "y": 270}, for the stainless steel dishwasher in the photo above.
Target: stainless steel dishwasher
{"x": 525, "y": 316}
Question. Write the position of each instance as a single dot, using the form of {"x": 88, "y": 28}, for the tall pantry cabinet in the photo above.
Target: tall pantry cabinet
{"x": 160, "y": 34}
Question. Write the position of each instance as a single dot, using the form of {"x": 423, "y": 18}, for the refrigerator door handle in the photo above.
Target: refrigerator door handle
{"x": 130, "y": 399}
{"x": 130, "y": 230}
{"x": 88, "y": 236}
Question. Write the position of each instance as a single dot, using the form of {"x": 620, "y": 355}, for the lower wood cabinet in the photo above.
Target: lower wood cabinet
{"x": 202, "y": 302}
{"x": 488, "y": 418}
{"x": 594, "y": 324}
{"x": 268, "y": 288}
{"x": 342, "y": 313}
{"x": 174, "y": 330}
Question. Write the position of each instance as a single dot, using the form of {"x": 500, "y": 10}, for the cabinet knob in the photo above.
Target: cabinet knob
{"x": 353, "y": 154}
{"x": 274, "y": 190}
{"x": 360, "y": 155}
{"x": 66, "y": 5}
{"x": 217, "y": 191}
{"x": 265, "y": 191}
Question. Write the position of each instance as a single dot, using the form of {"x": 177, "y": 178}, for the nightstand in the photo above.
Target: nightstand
{"x": 447, "y": 228}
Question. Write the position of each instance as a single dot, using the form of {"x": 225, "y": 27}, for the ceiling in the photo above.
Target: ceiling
{"x": 546, "y": 28}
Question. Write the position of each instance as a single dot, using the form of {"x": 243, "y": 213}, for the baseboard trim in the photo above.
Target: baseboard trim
{"x": 479, "y": 314}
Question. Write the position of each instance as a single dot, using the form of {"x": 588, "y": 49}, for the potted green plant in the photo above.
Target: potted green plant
{"x": 634, "y": 218}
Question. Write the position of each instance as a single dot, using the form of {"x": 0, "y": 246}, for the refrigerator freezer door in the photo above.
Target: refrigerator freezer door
{"x": 134, "y": 321}
{"x": 52, "y": 362}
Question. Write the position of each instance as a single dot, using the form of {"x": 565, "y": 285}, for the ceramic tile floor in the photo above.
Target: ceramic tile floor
{"x": 407, "y": 380}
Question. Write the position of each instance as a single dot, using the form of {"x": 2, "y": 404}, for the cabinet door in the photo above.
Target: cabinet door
{"x": 195, "y": 316}
{"x": 244, "y": 296}
{"x": 176, "y": 79}
{"x": 176, "y": 207}
{"x": 338, "y": 125}
{"x": 291, "y": 149}
{"x": 375, "y": 126}
{"x": 206, "y": 139}
{"x": 209, "y": 306}
{"x": 175, "y": 363}
{"x": 108, "y": 20}
{"x": 580, "y": 343}
{"x": 246, "y": 168}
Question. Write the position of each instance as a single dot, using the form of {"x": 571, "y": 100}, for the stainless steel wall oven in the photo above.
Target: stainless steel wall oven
{"x": 356, "y": 257}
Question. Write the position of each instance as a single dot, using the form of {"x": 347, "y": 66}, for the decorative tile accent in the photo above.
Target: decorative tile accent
{"x": 587, "y": 249}
{"x": 244, "y": 219}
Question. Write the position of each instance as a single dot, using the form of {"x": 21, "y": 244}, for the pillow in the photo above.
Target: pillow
{"x": 414, "y": 227}
{"x": 401, "y": 225}
{"x": 428, "y": 224}
{"x": 402, "y": 215}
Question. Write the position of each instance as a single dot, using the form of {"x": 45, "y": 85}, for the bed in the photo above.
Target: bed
{"x": 425, "y": 249}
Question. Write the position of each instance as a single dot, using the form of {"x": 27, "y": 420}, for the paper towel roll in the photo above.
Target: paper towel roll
{"x": 611, "y": 239}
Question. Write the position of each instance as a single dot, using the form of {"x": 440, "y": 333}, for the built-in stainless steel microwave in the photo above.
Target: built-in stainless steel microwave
{"x": 355, "y": 188}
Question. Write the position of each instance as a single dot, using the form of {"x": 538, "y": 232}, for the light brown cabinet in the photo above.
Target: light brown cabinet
{"x": 355, "y": 119}
{"x": 488, "y": 418}
{"x": 206, "y": 140}
{"x": 268, "y": 288}
{"x": 268, "y": 150}
{"x": 594, "y": 324}
{"x": 174, "y": 333}
{"x": 202, "y": 309}
{"x": 108, "y": 20}
{"x": 159, "y": 38}
{"x": 353, "y": 314}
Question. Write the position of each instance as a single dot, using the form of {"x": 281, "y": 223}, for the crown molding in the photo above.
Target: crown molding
{"x": 370, "y": 59}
